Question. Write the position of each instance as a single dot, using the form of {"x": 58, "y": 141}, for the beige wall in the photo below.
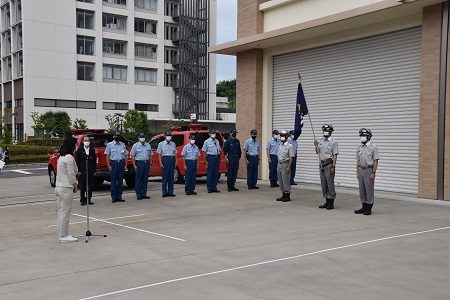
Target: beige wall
{"x": 279, "y": 14}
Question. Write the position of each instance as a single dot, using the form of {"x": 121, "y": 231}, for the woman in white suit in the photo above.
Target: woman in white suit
{"x": 66, "y": 186}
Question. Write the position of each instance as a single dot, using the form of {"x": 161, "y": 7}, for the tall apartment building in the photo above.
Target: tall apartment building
{"x": 92, "y": 58}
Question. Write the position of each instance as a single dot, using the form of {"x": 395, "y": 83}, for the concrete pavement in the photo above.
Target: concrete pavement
{"x": 239, "y": 245}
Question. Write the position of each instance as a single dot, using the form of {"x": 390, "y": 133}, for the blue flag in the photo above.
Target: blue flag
{"x": 301, "y": 110}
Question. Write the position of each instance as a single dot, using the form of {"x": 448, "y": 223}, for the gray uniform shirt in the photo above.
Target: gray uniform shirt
{"x": 367, "y": 154}
{"x": 328, "y": 148}
{"x": 285, "y": 151}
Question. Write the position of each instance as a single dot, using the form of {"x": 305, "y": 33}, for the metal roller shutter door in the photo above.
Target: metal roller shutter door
{"x": 372, "y": 82}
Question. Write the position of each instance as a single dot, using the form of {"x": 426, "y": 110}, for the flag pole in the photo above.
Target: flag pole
{"x": 312, "y": 128}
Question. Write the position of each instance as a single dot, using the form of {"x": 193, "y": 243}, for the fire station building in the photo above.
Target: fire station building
{"x": 378, "y": 64}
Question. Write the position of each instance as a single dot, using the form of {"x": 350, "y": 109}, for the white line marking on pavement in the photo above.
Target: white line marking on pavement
{"x": 102, "y": 220}
{"x": 137, "y": 229}
{"x": 21, "y": 172}
{"x": 262, "y": 263}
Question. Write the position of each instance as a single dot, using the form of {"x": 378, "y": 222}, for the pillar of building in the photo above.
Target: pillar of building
{"x": 429, "y": 106}
{"x": 249, "y": 74}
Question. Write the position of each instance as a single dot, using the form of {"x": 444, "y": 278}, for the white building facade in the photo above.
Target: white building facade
{"x": 92, "y": 58}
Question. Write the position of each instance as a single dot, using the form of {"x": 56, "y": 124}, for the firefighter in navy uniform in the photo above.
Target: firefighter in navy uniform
{"x": 328, "y": 150}
{"x": 211, "y": 149}
{"x": 251, "y": 154}
{"x": 232, "y": 151}
{"x": 366, "y": 167}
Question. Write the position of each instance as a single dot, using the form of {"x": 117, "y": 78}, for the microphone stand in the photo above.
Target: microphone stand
{"x": 88, "y": 232}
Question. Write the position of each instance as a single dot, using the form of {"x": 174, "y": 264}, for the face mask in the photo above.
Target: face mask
{"x": 283, "y": 138}
{"x": 292, "y": 136}
{"x": 364, "y": 139}
{"x": 233, "y": 135}
{"x": 142, "y": 140}
{"x": 276, "y": 136}
{"x": 254, "y": 137}
{"x": 213, "y": 136}
{"x": 86, "y": 144}
{"x": 192, "y": 142}
{"x": 326, "y": 134}
{"x": 168, "y": 138}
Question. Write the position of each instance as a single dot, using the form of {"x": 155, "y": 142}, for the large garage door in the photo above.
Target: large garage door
{"x": 372, "y": 82}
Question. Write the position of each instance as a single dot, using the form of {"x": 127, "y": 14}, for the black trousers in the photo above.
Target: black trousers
{"x": 82, "y": 186}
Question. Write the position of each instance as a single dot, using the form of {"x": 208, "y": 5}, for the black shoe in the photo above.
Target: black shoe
{"x": 193, "y": 193}
{"x": 171, "y": 195}
{"x": 250, "y": 188}
{"x": 287, "y": 198}
{"x": 145, "y": 197}
{"x": 114, "y": 200}
{"x": 272, "y": 184}
{"x": 187, "y": 194}
{"x": 120, "y": 200}
{"x": 368, "y": 210}
{"x": 362, "y": 209}
{"x": 209, "y": 192}
{"x": 282, "y": 197}
{"x": 325, "y": 205}
{"x": 139, "y": 198}
{"x": 164, "y": 196}
{"x": 330, "y": 204}
{"x": 276, "y": 184}
{"x": 216, "y": 191}
{"x": 234, "y": 189}
{"x": 293, "y": 183}
{"x": 91, "y": 203}
{"x": 255, "y": 187}
{"x": 82, "y": 203}
{"x": 229, "y": 188}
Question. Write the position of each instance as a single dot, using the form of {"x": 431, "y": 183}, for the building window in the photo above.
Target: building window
{"x": 64, "y": 103}
{"x": 170, "y": 55}
{"x": 18, "y": 57}
{"x": 114, "y": 22}
{"x": 19, "y": 134}
{"x": 87, "y": 1}
{"x": 115, "y": 106}
{"x": 85, "y": 45}
{"x": 146, "y": 107}
{"x": 145, "y": 26}
{"x": 121, "y": 2}
{"x": 145, "y": 50}
{"x": 170, "y": 8}
{"x": 6, "y": 14}
{"x": 114, "y": 72}
{"x": 115, "y": 47}
{"x": 17, "y": 31}
{"x": 85, "y": 71}
{"x": 18, "y": 103}
{"x": 18, "y": 11}
{"x": 85, "y": 19}
{"x": 170, "y": 31}
{"x": 7, "y": 42}
{"x": 145, "y": 75}
{"x": 170, "y": 78}
{"x": 7, "y": 68}
{"x": 145, "y": 4}
{"x": 8, "y": 104}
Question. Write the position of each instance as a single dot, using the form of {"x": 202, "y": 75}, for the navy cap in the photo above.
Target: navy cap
{"x": 168, "y": 133}
{"x": 254, "y": 131}
{"x": 233, "y": 130}
{"x": 192, "y": 137}
{"x": 292, "y": 132}
{"x": 275, "y": 132}
{"x": 141, "y": 134}
{"x": 212, "y": 131}
{"x": 117, "y": 133}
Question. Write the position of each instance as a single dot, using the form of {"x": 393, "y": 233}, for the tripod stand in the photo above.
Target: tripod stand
{"x": 88, "y": 232}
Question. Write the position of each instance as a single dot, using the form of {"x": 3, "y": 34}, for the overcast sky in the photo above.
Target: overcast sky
{"x": 226, "y": 31}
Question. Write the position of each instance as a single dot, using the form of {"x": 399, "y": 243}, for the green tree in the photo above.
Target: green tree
{"x": 115, "y": 122}
{"x": 227, "y": 88}
{"x": 52, "y": 124}
{"x": 80, "y": 124}
{"x": 134, "y": 122}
